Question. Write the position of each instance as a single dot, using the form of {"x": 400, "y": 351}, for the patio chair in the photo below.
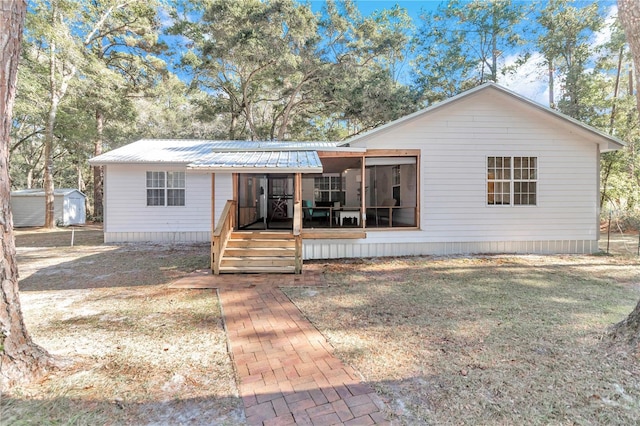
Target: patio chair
{"x": 310, "y": 213}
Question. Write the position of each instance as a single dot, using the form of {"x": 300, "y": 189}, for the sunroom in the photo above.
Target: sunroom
{"x": 387, "y": 178}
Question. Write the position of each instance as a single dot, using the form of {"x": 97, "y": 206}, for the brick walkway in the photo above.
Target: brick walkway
{"x": 286, "y": 370}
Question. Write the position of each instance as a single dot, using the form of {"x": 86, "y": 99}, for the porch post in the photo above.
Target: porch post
{"x": 213, "y": 217}
{"x": 213, "y": 202}
{"x": 297, "y": 193}
{"x": 363, "y": 194}
{"x": 297, "y": 220}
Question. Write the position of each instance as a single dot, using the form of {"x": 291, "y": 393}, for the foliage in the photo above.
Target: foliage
{"x": 460, "y": 45}
{"x": 273, "y": 67}
{"x": 565, "y": 44}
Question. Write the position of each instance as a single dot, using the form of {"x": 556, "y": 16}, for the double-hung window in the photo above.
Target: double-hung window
{"x": 165, "y": 188}
{"x": 329, "y": 188}
{"x": 512, "y": 181}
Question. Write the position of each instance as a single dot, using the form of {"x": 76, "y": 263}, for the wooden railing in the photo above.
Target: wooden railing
{"x": 297, "y": 235}
{"x": 221, "y": 235}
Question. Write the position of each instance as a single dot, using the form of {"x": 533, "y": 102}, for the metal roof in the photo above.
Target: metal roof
{"x": 189, "y": 150}
{"x": 260, "y": 161}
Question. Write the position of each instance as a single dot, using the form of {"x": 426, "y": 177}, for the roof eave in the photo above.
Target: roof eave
{"x": 97, "y": 162}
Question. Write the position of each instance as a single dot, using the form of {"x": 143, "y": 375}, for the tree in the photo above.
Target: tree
{"x": 120, "y": 62}
{"x": 629, "y": 14}
{"x": 20, "y": 359}
{"x": 566, "y": 47}
{"x": 461, "y": 43}
{"x": 275, "y": 70}
{"x": 94, "y": 40}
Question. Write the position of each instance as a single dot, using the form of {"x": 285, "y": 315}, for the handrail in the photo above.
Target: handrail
{"x": 297, "y": 235}
{"x": 221, "y": 235}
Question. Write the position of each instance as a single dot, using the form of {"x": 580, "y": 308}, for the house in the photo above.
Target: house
{"x": 28, "y": 207}
{"x": 486, "y": 171}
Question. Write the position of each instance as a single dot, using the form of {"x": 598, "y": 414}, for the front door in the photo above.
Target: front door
{"x": 265, "y": 201}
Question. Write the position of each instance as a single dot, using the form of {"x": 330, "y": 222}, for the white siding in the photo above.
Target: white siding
{"x": 455, "y": 142}
{"x": 224, "y": 192}
{"x": 128, "y": 218}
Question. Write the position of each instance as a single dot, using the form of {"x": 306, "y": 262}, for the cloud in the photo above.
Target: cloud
{"x": 528, "y": 80}
{"x": 166, "y": 20}
{"x": 604, "y": 34}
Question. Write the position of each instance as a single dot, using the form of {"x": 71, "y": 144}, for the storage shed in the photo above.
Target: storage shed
{"x": 27, "y": 206}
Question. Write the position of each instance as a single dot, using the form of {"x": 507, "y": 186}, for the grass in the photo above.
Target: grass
{"x": 486, "y": 340}
{"x": 133, "y": 350}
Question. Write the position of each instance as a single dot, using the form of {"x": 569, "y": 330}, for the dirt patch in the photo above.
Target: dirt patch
{"x": 136, "y": 352}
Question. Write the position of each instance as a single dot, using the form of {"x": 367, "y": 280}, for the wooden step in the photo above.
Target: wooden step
{"x": 258, "y": 235}
{"x": 257, "y": 269}
{"x": 259, "y": 251}
{"x": 251, "y": 261}
{"x": 236, "y": 243}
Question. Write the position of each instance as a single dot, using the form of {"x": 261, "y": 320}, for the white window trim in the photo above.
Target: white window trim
{"x": 330, "y": 191}
{"x": 166, "y": 189}
{"x": 511, "y": 181}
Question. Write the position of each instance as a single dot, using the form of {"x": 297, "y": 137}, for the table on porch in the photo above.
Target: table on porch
{"x": 347, "y": 213}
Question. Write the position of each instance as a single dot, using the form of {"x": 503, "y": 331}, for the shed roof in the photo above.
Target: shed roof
{"x": 260, "y": 161}
{"x": 39, "y": 192}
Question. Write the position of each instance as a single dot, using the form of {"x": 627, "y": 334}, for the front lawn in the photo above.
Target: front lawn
{"x": 134, "y": 351}
{"x": 486, "y": 340}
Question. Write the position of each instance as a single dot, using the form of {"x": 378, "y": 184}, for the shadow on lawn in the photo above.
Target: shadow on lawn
{"x": 69, "y": 410}
{"x": 89, "y": 235}
{"x": 125, "y": 266}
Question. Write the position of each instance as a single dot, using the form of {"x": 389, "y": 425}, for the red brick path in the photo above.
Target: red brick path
{"x": 286, "y": 370}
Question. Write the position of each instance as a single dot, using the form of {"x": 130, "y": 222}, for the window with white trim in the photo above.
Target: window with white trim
{"x": 329, "y": 188}
{"x": 512, "y": 181}
{"x": 165, "y": 188}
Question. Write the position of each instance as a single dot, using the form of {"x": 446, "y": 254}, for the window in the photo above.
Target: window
{"x": 329, "y": 189}
{"x": 512, "y": 181}
{"x": 165, "y": 188}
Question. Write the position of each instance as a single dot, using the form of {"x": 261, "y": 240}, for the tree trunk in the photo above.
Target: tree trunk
{"x": 20, "y": 359}
{"x": 49, "y": 206}
{"x": 49, "y": 199}
{"x": 98, "y": 174}
{"x": 30, "y": 177}
{"x": 629, "y": 14}
{"x": 56, "y": 93}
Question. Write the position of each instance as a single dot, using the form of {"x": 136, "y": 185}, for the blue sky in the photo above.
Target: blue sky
{"x": 366, "y": 7}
